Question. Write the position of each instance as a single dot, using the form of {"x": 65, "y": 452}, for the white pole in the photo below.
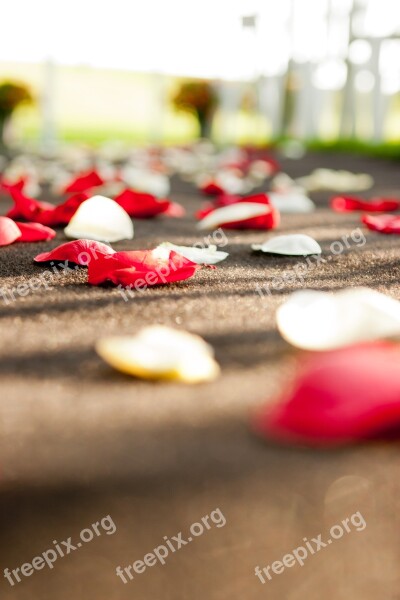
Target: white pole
{"x": 48, "y": 137}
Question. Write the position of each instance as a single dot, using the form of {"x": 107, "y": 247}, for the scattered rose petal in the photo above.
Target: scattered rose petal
{"x": 352, "y": 203}
{"x": 28, "y": 208}
{"x": 63, "y": 213}
{"x": 382, "y": 223}
{"x": 84, "y": 183}
{"x": 250, "y": 213}
{"x": 141, "y": 268}
{"x": 211, "y": 188}
{"x": 102, "y": 219}
{"x": 144, "y": 206}
{"x": 159, "y": 352}
{"x": 7, "y": 186}
{"x": 341, "y": 181}
{"x": 295, "y": 244}
{"x": 200, "y": 256}
{"x": 80, "y": 252}
{"x": 218, "y": 202}
{"x": 147, "y": 181}
{"x": 282, "y": 183}
{"x": 316, "y": 320}
{"x": 35, "y": 232}
{"x": 175, "y": 210}
{"x": 339, "y": 397}
{"x": 292, "y": 202}
{"x": 9, "y": 231}
{"x": 43, "y": 212}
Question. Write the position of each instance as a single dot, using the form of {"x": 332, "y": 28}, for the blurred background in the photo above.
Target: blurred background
{"x": 240, "y": 71}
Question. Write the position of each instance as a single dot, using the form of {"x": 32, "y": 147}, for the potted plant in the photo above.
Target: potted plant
{"x": 200, "y": 99}
{"x": 11, "y": 96}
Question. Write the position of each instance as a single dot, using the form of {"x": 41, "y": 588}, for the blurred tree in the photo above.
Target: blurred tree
{"x": 200, "y": 99}
{"x": 11, "y": 96}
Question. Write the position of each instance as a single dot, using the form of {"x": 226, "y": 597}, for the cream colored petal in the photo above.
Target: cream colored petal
{"x": 339, "y": 181}
{"x": 292, "y": 202}
{"x": 146, "y": 181}
{"x": 201, "y": 256}
{"x": 159, "y": 352}
{"x": 101, "y": 219}
{"x": 296, "y": 244}
{"x": 315, "y": 320}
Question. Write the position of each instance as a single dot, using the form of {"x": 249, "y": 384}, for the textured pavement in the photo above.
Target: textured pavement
{"x": 80, "y": 441}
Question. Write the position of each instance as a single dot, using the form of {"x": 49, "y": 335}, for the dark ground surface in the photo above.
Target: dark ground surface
{"x": 79, "y": 441}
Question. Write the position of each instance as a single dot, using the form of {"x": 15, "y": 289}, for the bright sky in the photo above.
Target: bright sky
{"x": 198, "y": 38}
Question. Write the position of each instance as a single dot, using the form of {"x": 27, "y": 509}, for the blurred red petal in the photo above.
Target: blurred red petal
{"x": 218, "y": 202}
{"x": 9, "y": 231}
{"x": 339, "y": 397}
{"x": 18, "y": 185}
{"x": 127, "y": 268}
{"x": 27, "y": 208}
{"x": 175, "y": 210}
{"x": 141, "y": 205}
{"x": 352, "y": 203}
{"x": 80, "y": 252}
{"x": 63, "y": 213}
{"x": 43, "y": 212}
{"x": 84, "y": 182}
{"x": 212, "y": 189}
{"x": 270, "y": 220}
{"x": 382, "y": 223}
{"x": 35, "y": 232}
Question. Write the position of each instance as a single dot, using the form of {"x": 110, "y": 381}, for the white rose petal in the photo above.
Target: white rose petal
{"x": 101, "y": 219}
{"x": 339, "y": 181}
{"x": 200, "y": 256}
{"x": 292, "y": 202}
{"x": 315, "y": 320}
{"x": 296, "y": 244}
{"x": 146, "y": 181}
{"x": 159, "y": 352}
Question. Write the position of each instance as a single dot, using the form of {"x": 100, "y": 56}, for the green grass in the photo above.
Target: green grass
{"x": 384, "y": 150}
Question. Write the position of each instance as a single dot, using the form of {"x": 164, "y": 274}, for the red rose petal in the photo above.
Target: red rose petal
{"x": 27, "y": 208}
{"x": 352, "y": 203}
{"x": 19, "y": 185}
{"x": 203, "y": 212}
{"x": 212, "y": 189}
{"x": 382, "y": 223}
{"x": 141, "y": 205}
{"x": 43, "y": 212}
{"x": 9, "y": 231}
{"x": 340, "y": 397}
{"x": 270, "y": 220}
{"x": 175, "y": 210}
{"x": 84, "y": 182}
{"x": 80, "y": 252}
{"x": 63, "y": 213}
{"x": 219, "y": 202}
{"x": 127, "y": 268}
{"x": 35, "y": 232}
